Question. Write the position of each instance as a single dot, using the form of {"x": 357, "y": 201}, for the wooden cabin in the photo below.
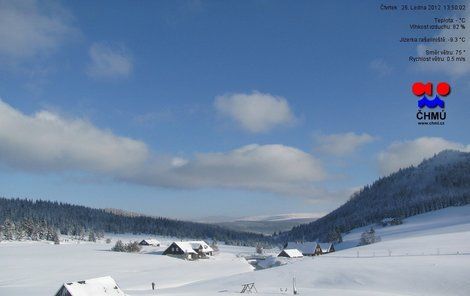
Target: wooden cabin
{"x": 190, "y": 250}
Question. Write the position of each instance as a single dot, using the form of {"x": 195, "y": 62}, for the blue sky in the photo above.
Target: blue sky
{"x": 204, "y": 108}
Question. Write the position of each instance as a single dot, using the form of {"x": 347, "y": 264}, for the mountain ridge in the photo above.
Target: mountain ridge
{"x": 438, "y": 182}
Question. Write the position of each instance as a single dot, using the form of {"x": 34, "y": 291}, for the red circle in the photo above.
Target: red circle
{"x": 418, "y": 88}
{"x": 443, "y": 88}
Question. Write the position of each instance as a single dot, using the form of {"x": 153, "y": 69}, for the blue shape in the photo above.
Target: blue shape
{"x": 425, "y": 102}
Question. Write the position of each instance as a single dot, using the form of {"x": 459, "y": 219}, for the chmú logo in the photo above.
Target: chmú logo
{"x": 425, "y": 91}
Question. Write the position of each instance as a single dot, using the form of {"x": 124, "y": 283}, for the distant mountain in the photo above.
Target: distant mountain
{"x": 269, "y": 224}
{"x": 283, "y": 217}
{"x": 438, "y": 182}
{"x": 75, "y": 220}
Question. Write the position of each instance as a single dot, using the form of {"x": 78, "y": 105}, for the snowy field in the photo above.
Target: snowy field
{"x": 428, "y": 255}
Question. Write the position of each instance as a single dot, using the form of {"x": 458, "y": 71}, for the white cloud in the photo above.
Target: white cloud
{"x": 381, "y": 67}
{"x": 255, "y": 112}
{"x": 273, "y": 168}
{"x": 341, "y": 144}
{"x": 27, "y": 31}
{"x": 47, "y": 142}
{"x": 404, "y": 154}
{"x": 108, "y": 63}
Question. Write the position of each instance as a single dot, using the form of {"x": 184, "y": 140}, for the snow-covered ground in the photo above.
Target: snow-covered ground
{"x": 39, "y": 268}
{"x": 428, "y": 255}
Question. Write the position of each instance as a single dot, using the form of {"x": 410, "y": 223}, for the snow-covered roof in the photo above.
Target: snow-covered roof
{"x": 304, "y": 247}
{"x": 325, "y": 247}
{"x": 186, "y": 247}
{"x": 293, "y": 253}
{"x": 150, "y": 241}
{"x": 103, "y": 286}
{"x": 205, "y": 247}
{"x": 189, "y": 246}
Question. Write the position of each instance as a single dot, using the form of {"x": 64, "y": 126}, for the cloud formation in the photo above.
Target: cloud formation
{"x": 26, "y": 31}
{"x": 404, "y": 154}
{"x": 47, "y": 142}
{"x": 341, "y": 144}
{"x": 108, "y": 63}
{"x": 273, "y": 168}
{"x": 255, "y": 112}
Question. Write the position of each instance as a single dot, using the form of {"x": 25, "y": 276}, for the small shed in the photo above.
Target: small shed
{"x": 150, "y": 242}
{"x": 103, "y": 286}
{"x": 290, "y": 253}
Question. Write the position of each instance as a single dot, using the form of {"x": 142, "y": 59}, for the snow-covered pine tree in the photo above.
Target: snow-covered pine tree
{"x": 91, "y": 236}
{"x": 118, "y": 247}
{"x": 8, "y": 229}
{"x": 19, "y": 233}
{"x": 369, "y": 237}
{"x": 55, "y": 238}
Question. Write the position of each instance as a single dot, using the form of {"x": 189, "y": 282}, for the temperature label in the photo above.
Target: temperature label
{"x": 438, "y": 33}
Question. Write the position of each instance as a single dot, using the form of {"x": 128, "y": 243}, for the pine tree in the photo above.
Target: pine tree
{"x": 214, "y": 245}
{"x": 8, "y": 229}
{"x": 91, "y": 236}
{"x": 19, "y": 233}
{"x": 369, "y": 237}
{"x": 334, "y": 236}
{"x": 55, "y": 238}
{"x": 118, "y": 247}
{"x": 259, "y": 249}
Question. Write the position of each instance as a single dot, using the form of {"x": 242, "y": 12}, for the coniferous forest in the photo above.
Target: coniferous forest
{"x": 439, "y": 182}
{"x": 23, "y": 218}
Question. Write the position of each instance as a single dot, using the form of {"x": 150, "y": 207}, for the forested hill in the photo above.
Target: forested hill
{"x": 438, "y": 182}
{"x": 74, "y": 219}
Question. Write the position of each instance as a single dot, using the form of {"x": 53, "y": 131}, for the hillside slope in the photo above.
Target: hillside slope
{"x": 429, "y": 254}
{"x": 437, "y": 183}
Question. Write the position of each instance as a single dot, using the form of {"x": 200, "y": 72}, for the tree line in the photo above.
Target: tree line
{"x": 40, "y": 219}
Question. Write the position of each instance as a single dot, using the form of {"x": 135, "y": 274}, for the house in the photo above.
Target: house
{"x": 189, "y": 250}
{"x": 290, "y": 253}
{"x": 150, "y": 242}
{"x": 310, "y": 248}
{"x": 103, "y": 286}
